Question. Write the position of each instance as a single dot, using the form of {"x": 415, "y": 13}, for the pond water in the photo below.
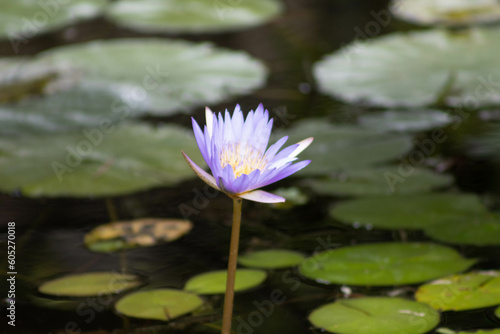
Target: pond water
{"x": 50, "y": 230}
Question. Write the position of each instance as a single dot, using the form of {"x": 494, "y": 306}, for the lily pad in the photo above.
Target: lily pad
{"x": 136, "y": 233}
{"x": 194, "y": 16}
{"x": 214, "y": 282}
{"x": 384, "y": 264}
{"x": 379, "y": 181}
{"x": 162, "y": 76}
{"x": 447, "y": 12}
{"x": 409, "y": 212}
{"x": 405, "y": 121}
{"x": 90, "y": 284}
{"x": 22, "y": 20}
{"x": 101, "y": 161}
{"x": 160, "y": 304}
{"x": 375, "y": 315}
{"x": 271, "y": 259}
{"x": 377, "y": 71}
{"x": 462, "y": 292}
{"x": 497, "y": 312}
{"x": 339, "y": 147}
{"x": 481, "y": 230}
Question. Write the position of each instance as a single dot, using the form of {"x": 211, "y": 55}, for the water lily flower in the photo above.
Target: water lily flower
{"x": 235, "y": 150}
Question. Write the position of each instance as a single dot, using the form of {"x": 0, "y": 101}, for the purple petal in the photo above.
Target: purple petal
{"x": 271, "y": 151}
{"x": 262, "y": 197}
{"x": 285, "y": 172}
{"x": 207, "y": 178}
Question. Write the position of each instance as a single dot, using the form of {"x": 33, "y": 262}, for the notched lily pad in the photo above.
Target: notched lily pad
{"x": 339, "y": 147}
{"x": 160, "y": 304}
{"x": 462, "y": 292}
{"x": 447, "y": 12}
{"x": 379, "y": 181}
{"x": 480, "y": 230}
{"x": 375, "y": 315}
{"x": 194, "y": 16}
{"x": 162, "y": 76}
{"x": 376, "y": 71}
{"x": 137, "y": 233}
{"x": 214, "y": 282}
{"x": 410, "y": 211}
{"x": 90, "y": 284}
{"x": 271, "y": 259}
{"x": 384, "y": 264}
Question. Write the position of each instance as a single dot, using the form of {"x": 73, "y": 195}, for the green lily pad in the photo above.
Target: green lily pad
{"x": 160, "y": 304}
{"x": 90, "y": 284}
{"x": 376, "y": 71}
{"x": 384, "y": 264}
{"x": 96, "y": 162}
{"x": 462, "y": 292}
{"x": 214, "y": 282}
{"x": 21, "y": 20}
{"x": 379, "y": 181}
{"x": 136, "y": 233}
{"x": 409, "y": 212}
{"x": 339, "y": 147}
{"x": 405, "y": 121}
{"x": 195, "y": 16}
{"x": 447, "y": 12}
{"x": 162, "y": 76}
{"x": 375, "y": 315}
{"x": 271, "y": 259}
{"x": 480, "y": 230}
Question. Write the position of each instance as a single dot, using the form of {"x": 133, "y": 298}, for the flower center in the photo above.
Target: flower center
{"x": 243, "y": 160}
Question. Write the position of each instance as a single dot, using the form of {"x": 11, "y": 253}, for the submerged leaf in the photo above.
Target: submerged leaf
{"x": 137, "y": 233}
{"x": 271, "y": 259}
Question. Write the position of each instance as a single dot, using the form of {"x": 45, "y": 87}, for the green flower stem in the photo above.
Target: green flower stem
{"x": 231, "y": 267}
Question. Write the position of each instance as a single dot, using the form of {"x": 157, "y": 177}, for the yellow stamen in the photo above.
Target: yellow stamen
{"x": 243, "y": 160}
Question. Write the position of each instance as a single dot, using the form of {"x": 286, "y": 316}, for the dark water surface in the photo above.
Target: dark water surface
{"x": 50, "y": 231}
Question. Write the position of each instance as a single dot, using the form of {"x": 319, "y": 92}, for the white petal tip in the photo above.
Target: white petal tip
{"x": 302, "y": 145}
{"x": 262, "y": 197}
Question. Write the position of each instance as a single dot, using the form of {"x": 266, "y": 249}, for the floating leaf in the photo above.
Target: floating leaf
{"x": 375, "y": 315}
{"x": 480, "y": 230}
{"x": 101, "y": 161}
{"x": 271, "y": 259}
{"x": 136, "y": 233}
{"x": 196, "y": 16}
{"x": 338, "y": 147}
{"x": 90, "y": 284}
{"x": 404, "y": 121}
{"x": 377, "y": 71}
{"x": 447, "y": 12}
{"x": 379, "y": 181}
{"x": 162, "y": 76}
{"x": 409, "y": 212}
{"x": 462, "y": 292}
{"x": 384, "y": 264}
{"x": 21, "y": 20}
{"x": 160, "y": 304}
{"x": 214, "y": 282}
{"x": 293, "y": 196}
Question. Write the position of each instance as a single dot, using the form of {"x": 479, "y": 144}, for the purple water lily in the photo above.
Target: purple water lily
{"x": 235, "y": 151}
